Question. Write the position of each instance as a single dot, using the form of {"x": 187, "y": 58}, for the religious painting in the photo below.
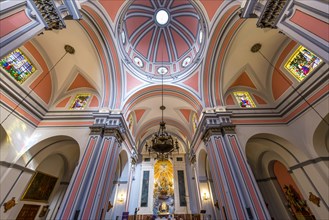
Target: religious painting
{"x": 17, "y": 65}
{"x": 163, "y": 193}
{"x": 28, "y": 212}
{"x": 40, "y": 187}
{"x": 244, "y": 99}
{"x": 302, "y": 63}
{"x": 80, "y": 102}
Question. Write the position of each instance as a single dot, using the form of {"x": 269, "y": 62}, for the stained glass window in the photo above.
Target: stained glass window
{"x": 80, "y": 102}
{"x": 18, "y": 65}
{"x": 145, "y": 188}
{"x": 302, "y": 63}
{"x": 181, "y": 188}
{"x": 244, "y": 99}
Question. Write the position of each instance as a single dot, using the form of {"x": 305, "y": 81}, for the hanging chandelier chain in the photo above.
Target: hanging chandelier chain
{"x": 162, "y": 143}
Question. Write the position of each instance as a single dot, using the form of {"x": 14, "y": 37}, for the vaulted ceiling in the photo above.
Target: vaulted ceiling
{"x": 120, "y": 46}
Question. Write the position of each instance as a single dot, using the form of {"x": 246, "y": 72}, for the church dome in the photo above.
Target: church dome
{"x": 162, "y": 37}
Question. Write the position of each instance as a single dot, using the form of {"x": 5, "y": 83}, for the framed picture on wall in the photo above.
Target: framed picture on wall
{"x": 28, "y": 212}
{"x": 40, "y": 187}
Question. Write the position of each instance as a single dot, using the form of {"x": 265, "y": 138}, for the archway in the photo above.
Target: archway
{"x": 206, "y": 185}
{"x": 295, "y": 202}
{"x": 262, "y": 150}
{"x": 119, "y": 193}
{"x": 40, "y": 177}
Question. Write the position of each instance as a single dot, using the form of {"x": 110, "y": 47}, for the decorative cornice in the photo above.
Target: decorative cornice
{"x": 214, "y": 121}
{"x": 192, "y": 157}
{"x": 96, "y": 130}
{"x": 271, "y": 13}
{"x": 50, "y": 14}
{"x": 112, "y": 123}
{"x": 115, "y": 132}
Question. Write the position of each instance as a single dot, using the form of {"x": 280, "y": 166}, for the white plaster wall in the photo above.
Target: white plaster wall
{"x": 19, "y": 134}
{"x": 180, "y": 165}
{"x": 299, "y": 132}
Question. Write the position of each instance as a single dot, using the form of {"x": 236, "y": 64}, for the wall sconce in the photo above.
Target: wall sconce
{"x": 205, "y": 196}
{"x": 121, "y": 198}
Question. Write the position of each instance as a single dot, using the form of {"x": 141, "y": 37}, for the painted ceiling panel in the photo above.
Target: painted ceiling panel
{"x": 161, "y": 33}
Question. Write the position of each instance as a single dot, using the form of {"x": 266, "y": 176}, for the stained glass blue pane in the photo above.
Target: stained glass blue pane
{"x": 181, "y": 188}
{"x": 145, "y": 188}
{"x": 17, "y": 65}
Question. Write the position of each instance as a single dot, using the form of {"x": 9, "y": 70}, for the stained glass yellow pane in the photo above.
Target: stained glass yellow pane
{"x": 17, "y": 65}
{"x": 244, "y": 99}
{"x": 80, "y": 102}
{"x": 302, "y": 63}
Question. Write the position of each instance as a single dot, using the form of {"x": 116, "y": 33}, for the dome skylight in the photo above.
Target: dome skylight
{"x": 162, "y": 17}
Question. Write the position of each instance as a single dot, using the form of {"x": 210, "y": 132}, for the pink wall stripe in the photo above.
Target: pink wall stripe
{"x": 231, "y": 182}
{"x": 221, "y": 196}
{"x": 221, "y": 176}
{"x": 91, "y": 199}
{"x": 312, "y": 24}
{"x": 78, "y": 180}
{"x": 105, "y": 189}
{"x": 13, "y": 22}
{"x": 246, "y": 176}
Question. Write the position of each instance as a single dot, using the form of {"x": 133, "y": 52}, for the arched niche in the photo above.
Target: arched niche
{"x": 123, "y": 166}
{"x": 119, "y": 196}
{"x": 294, "y": 200}
{"x": 321, "y": 138}
{"x": 261, "y": 151}
{"x": 202, "y": 164}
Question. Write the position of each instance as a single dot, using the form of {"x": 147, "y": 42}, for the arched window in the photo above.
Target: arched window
{"x": 301, "y": 63}
{"x": 18, "y": 65}
{"x": 244, "y": 99}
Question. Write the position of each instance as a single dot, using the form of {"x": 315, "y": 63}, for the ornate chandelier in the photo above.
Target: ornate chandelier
{"x": 162, "y": 143}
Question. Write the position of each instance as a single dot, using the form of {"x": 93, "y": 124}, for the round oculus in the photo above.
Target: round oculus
{"x": 162, "y": 17}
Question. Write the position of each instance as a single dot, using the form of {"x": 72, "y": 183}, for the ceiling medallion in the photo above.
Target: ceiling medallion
{"x": 256, "y": 47}
{"x": 162, "y": 143}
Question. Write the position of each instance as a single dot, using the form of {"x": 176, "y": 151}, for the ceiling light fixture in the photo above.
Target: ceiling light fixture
{"x": 162, "y": 143}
